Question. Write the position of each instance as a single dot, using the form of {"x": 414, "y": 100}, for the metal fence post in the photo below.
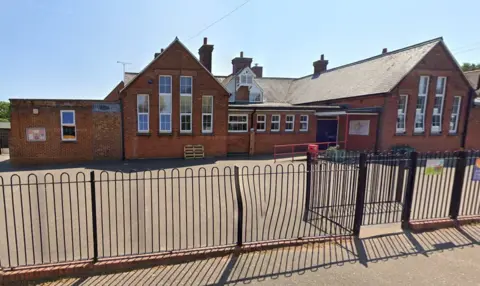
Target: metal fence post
{"x": 409, "y": 191}
{"x": 400, "y": 179}
{"x": 457, "y": 187}
{"x": 361, "y": 186}
{"x": 239, "y": 207}
{"x": 308, "y": 187}
{"x": 94, "y": 216}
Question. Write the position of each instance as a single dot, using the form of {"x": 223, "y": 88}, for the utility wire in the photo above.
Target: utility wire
{"x": 225, "y": 16}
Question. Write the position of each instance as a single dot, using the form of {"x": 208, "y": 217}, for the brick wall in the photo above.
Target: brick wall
{"x": 358, "y": 142}
{"x": 114, "y": 95}
{"x": 89, "y": 145}
{"x": 175, "y": 61}
{"x": 473, "y": 134}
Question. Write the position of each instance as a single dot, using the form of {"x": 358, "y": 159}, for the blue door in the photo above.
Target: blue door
{"x": 326, "y": 132}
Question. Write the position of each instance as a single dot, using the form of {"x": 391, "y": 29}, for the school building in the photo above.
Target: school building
{"x": 416, "y": 96}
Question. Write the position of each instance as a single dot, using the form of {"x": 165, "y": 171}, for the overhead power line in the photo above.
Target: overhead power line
{"x": 223, "y": 17}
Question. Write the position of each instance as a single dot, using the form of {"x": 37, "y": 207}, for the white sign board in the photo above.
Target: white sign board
{"x": 36, "y": 134}
{"x": 359, "y": 127}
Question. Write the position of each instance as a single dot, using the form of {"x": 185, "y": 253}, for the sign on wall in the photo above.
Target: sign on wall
{"x": 359, "y": 127}
{"x": 36, "y": 134}
{"x": 476, "y": 170}
{"x": 434, "y": 167}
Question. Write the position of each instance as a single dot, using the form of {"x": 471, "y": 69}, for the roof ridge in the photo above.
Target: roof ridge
{"x": 477, "y": 70}
{"x": 379, "y": 56}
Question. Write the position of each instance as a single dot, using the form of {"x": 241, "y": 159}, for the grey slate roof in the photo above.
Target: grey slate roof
{"x": 473, "y": 78}
{"x": 374, "y": 75}
{"x": 4, "y": 125}
{"x": 275, "y": 89}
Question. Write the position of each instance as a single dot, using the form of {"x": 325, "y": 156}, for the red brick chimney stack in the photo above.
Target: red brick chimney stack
{"x": 205, "y": 53}
{"x": 320, "y": 65}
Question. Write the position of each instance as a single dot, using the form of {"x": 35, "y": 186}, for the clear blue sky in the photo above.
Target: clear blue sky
{"x": 69, "y": 48}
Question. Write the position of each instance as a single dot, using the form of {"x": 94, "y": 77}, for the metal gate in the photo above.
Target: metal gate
{"x": 332, "y": 194}
{"x": 385, "y": 186}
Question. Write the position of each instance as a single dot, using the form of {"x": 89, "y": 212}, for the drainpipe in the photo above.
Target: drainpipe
{"x": 122, "y": 128}
{"x": 467, "y": 117}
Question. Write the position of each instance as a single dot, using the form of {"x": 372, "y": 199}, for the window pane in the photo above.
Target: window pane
{"x": 185, "y": 104}
{"x": 165, "y": 84}
{"x": 165, "y": 122}
{"x": 142, "y": 103}
{"x": 440, "y": 85}
{"x": 185, "y": 122}
{"x": 143, "y": 122}
{"x": 207, "y": 122}
{"x": 207, "y": 104}
{"x": 186, "y": 85}
{"x": 165, "y": 103}
{"x": 423, "y": 85}
{"x": 67, "y": 118}
{"x": 437, "y": 106}
{"x": 68, "y": 132}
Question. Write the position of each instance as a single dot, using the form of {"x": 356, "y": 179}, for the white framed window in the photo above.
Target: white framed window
{"x": 165, "y": 103}
{"x": 237, "y": 123}
{"x": 207, "y": 114}
{"x": 402, "y": 113}
{"x": 438, "y": 104}
{"x": 457, "y": 103}
{"x": 289, "y": 122}
{"x": 67, "y": 121}
{"x": 245, "y": 79}
{"x": 261, "y": 122}
{"x": 142, "y": 113}
{"x": 185, "y": 104}
{"x": 303, "y": 122}
{"x": 255, "y": 97}
{"x": 421, "y": 104}
{"x": 275, "y": 126}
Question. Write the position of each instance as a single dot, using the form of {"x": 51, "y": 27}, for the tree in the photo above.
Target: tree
{"x": 4, "y": 111}
{"x": 470, "y": 67}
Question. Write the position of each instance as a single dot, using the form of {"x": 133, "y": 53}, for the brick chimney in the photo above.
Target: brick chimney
{"x": 320, "y": 65}
{"x": 384, "y": 51}
{"x": 258, "y": 71}
{"x": 240, "y": 63}
{"x": 205, "y": 53}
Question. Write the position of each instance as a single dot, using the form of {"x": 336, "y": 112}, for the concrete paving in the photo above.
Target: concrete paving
{"x": 442, "y": 257}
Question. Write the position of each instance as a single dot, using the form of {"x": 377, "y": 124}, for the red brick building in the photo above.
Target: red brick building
{"x": 61, "y": 131}
{"x": 473, "y": 132}
{"x": 416, "y": 96}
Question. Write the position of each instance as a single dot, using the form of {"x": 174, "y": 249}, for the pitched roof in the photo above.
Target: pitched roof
{"x": 473, "y": 78}
{"x": 127, "y": 84}
{"x": 275, "y": 89}
{"x": 374, "y": 75}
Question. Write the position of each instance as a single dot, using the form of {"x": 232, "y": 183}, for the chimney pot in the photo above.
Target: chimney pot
{"x": 240, "y": 63}
{"x": 205, "y": 41}
{"x": 384, "y": 51}
{"x": 241, "y": 54}
{"x": 161, "y": 50}
{"x": 322, "y": 57}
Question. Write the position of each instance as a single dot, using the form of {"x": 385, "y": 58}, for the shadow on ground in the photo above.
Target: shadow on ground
{"x": 260, "y": 266}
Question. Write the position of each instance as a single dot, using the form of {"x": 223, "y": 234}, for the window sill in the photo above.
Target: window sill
{"x": 452, "y": 134}
{"x": 207, "y": 134}
{"x": 144, "y": 134}
{"x": 261, "y": 131}
{"x": 435, "y": 133}
{"x": 400, "y": 133}
{"x": 185, "y": 134}
{"x": 302, "y": 131}
{"x": 238, "y": 132}
{"x": 69, "y": 141}
{"x": 165, "y": 134}
{"x": 418, "y": 133}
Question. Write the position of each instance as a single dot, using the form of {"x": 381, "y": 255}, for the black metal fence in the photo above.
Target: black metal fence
{"x": 47, "y": 219}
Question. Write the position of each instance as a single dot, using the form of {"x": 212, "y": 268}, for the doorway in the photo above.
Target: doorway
{"x": 327, "y": 131}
